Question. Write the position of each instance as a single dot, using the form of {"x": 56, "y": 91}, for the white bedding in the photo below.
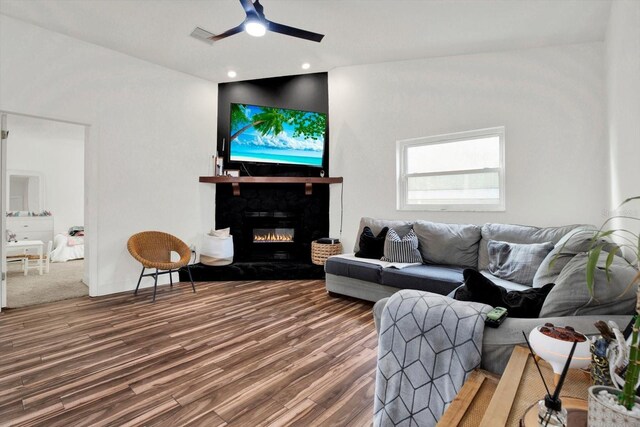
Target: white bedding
{"x": 67, "y": 247}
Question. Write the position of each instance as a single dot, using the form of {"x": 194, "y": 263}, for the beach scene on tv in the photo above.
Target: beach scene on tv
{"x": 276, "y": 135}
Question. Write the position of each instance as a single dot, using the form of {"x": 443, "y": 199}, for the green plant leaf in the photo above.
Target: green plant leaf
{"x": 592, "y": 261}
{"x": 628, "y": 200}
{"x": 609, "y": 261}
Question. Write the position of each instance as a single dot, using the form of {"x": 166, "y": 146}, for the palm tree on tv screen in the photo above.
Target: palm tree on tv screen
{"x": 271, "y": 121}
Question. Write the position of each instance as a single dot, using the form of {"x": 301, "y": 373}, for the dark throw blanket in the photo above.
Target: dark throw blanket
{"x": 520, "y": 304}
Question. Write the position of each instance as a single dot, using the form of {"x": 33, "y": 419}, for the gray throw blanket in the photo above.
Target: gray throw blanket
{"x": 428, "y": 344}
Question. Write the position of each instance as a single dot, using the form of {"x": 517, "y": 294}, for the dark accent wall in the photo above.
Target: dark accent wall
{"x": 308, "y": 92}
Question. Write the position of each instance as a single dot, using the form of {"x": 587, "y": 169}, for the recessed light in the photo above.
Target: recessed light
{"x": 232, "y": 73}
{"x": 306, "y": 66}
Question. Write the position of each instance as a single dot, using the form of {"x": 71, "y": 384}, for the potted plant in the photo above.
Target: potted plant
{"x": 620, "y": 412}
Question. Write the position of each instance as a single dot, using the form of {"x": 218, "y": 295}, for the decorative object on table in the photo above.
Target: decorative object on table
{"x": 217, "y": 248}
{"x": 553, "y": 344}
{"x": 321, "y": 251}
{"x": 606, "y": 411}
{"x": 550, "y": 410}
{"x": 235, "y": 173}
{"x": 630, "y": 243}
{"x": 599, "y": 360}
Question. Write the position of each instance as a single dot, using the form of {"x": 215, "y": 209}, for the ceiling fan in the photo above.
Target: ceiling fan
{"x": 255, "y": 24}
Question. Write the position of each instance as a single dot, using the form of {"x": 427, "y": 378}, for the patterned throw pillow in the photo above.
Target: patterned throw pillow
{"x": 401, "y": 250}
{"x": 516, "y": 262}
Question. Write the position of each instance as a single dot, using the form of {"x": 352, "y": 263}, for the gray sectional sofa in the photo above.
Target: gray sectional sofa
{"x": 447, "y": 249}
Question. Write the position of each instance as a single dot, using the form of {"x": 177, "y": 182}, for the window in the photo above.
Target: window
{"x": 461, "y": 171}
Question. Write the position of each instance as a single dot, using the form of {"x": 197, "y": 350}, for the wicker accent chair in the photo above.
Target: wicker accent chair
{"x": 153, "y": 250}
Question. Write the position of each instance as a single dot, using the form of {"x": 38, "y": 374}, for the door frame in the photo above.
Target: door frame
{"x": 90, "y": 276}
{"x": 3, "y": 207}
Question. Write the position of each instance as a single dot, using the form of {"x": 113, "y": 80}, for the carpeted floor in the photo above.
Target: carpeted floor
{"x": 63, "y": 281}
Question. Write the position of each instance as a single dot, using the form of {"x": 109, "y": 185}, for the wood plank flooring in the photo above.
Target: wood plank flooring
{"x": 261, "y": 353}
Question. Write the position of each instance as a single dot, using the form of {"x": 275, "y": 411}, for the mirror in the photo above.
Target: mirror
{"x": 24, "y": 192}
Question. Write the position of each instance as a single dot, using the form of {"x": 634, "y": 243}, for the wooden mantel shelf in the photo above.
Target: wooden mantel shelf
{"x": 236, "y": 181}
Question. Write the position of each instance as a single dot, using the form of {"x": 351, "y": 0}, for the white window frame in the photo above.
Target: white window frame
{"x": 402, "y": 178}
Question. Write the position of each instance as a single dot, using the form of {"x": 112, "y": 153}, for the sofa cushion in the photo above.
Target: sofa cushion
{"x": 372, "y": 246}
{"x": 449, "y": 244}
{"x": 516, "y": 262}
{"x": 439, "y": 279}
{"x": 354, "y": 269}
{"x": 403, "y": 249}
{"x": 574, "y": 242}
{"x": 517, "y": 234}
{"x": 570, "y": 296}
{"x": 376, "y": 225}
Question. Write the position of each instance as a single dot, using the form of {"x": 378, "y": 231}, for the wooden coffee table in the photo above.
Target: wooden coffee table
{"x": 509, "y": 398}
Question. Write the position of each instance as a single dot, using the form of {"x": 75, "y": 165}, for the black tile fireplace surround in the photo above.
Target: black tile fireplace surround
{"x": 273, "y": 206}
{"x": 270, "y": 206}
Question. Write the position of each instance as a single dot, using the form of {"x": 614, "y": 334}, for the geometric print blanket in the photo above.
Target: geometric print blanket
{"x": 427, "y": 345}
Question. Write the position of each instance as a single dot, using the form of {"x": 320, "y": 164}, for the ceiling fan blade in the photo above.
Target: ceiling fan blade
{"x": 248, "y": 7}
{"x": 294, "y": 32}
{"x": 230, "y": 32}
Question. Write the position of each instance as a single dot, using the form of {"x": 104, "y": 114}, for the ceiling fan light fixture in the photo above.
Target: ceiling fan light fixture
{"x": 255, "y": 28}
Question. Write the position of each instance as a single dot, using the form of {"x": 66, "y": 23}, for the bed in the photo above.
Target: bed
{"x": 66, "y": 247}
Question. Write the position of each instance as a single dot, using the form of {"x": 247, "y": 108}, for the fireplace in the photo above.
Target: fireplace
{"x": 274, "y": 207}
{"x": 271, "y": 235}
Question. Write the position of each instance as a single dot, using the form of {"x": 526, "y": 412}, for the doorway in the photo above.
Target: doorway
{"x": 43, "y": 185}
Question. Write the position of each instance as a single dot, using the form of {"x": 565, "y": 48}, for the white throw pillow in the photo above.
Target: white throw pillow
{"x": 223, "y": 232}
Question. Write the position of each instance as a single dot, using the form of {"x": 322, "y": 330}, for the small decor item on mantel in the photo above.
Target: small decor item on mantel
{"x": 232, "y": 173}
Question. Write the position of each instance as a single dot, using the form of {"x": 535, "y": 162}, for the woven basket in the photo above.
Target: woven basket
{"x": 321, "y": 251}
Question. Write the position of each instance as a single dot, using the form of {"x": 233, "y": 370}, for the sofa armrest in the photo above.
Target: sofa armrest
{"x": 377, "y": 312}
{"x": 498, "y": 343}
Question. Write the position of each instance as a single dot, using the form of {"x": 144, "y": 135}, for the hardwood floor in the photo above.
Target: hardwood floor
{"x": 272, "y": 353}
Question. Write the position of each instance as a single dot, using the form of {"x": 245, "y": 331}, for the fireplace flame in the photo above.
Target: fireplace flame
{"x": 273, "y": 237}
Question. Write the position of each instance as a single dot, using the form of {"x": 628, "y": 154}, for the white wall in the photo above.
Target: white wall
{"x": 551, "y": 101}
{"x": 58, "y": 159}
{"x": 623, "y": 101}
{"x": 152, "y": 133}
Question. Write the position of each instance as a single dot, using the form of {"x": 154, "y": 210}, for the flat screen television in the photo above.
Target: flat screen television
{"x": 276, "y": 135}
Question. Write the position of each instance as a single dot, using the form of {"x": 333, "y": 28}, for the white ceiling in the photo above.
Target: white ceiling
{"x": 356, "y": 31}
